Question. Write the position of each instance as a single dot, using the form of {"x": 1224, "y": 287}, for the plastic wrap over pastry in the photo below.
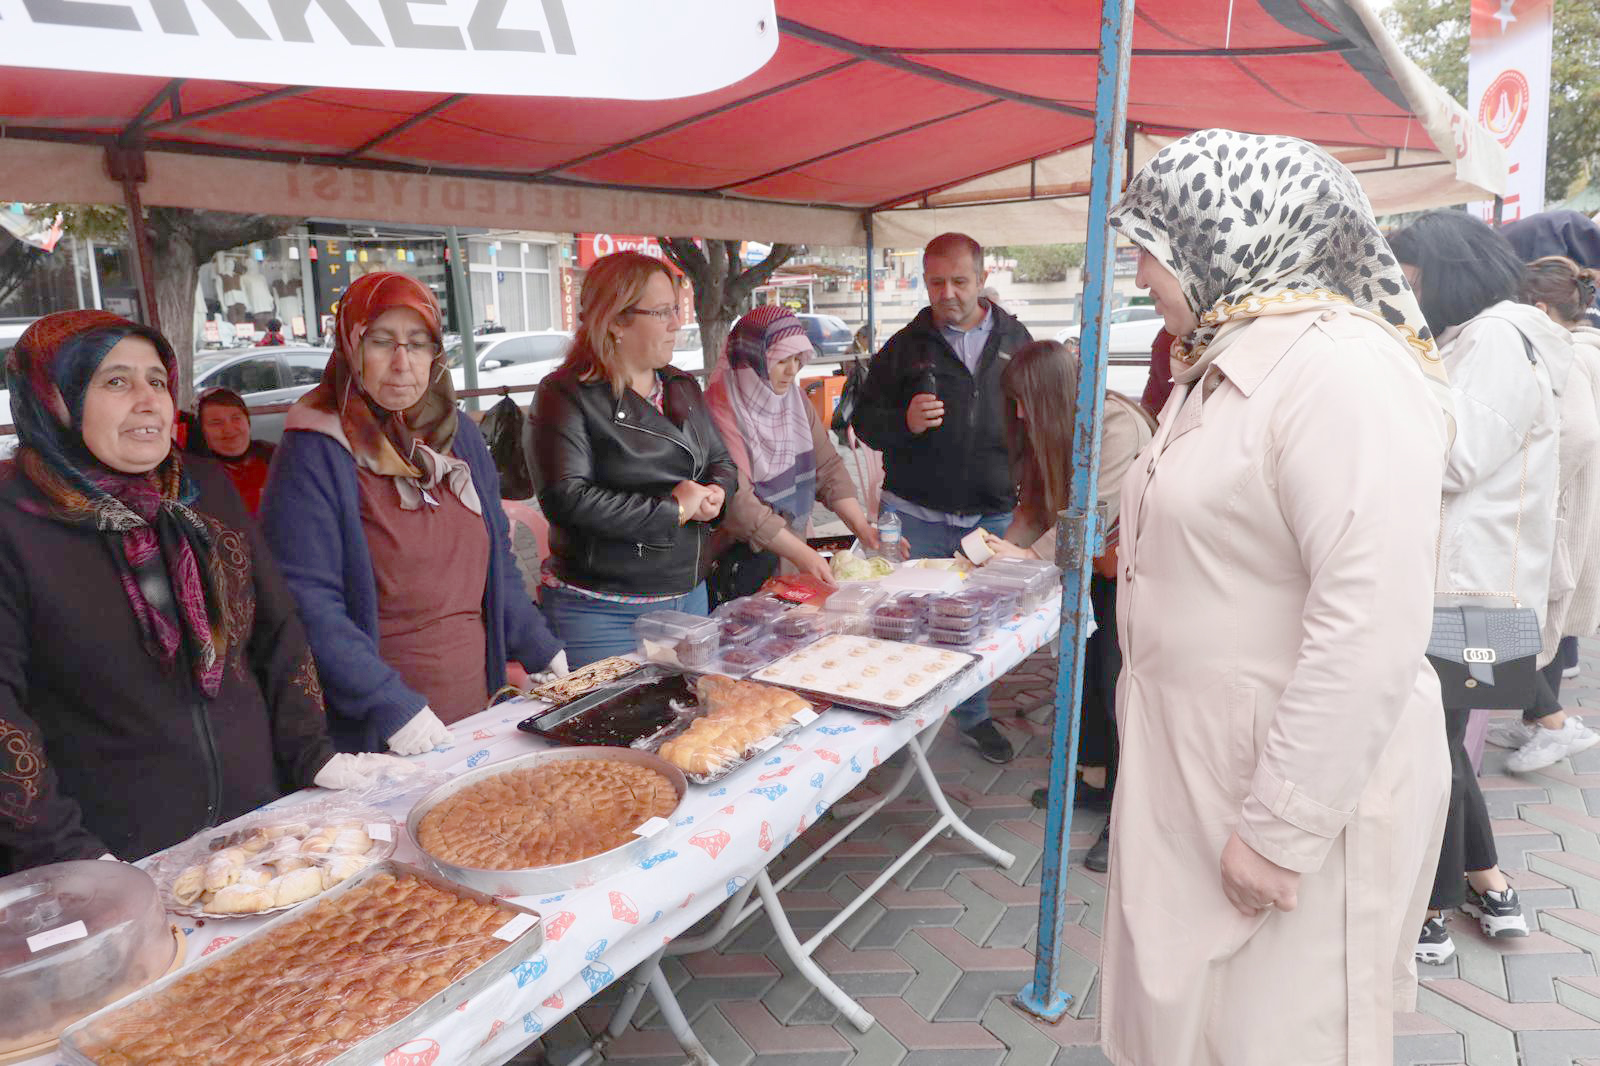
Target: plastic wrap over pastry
{"x": 271, "y": 860}
{"x": 740, "y": 717}
{"x": 311, "y": 986}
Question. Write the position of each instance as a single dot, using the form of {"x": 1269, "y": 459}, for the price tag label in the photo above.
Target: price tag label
{"x": 652, "y": 827}
{"x": 805, "y": 716}
{"x": 63, "y": 934}
{"x": 767, "y": 743}
{"x": 515, "y": 927}
{"x": 380, "y": 830}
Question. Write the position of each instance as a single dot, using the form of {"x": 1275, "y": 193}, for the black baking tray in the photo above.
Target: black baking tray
{"x": 618, "y": 713}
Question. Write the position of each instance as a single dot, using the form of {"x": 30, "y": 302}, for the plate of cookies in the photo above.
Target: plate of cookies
{"x": 270, "y": 861}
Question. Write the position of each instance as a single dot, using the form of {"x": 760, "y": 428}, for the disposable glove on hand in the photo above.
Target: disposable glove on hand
{"x": 558, "y": 665}
{"x": 360, "y": 771}
{"x": 422, "y": 734}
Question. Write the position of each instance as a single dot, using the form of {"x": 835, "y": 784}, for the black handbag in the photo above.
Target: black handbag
{"x": 1487, "y": 657}
{"x": 848, "y": 396}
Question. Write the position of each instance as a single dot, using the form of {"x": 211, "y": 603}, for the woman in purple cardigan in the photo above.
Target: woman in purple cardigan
{"x": 383, "y": 508}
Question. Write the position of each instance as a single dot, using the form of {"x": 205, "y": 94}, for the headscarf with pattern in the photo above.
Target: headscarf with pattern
{"x": 163, "y": 550}
{"x": 1254, "y": 225}
{"x": 774, "y": 426}
{"x": 390, "y": 443}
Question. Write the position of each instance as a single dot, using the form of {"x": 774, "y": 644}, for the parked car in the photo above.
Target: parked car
{"x": 1133, "y": 330}
{"x": 828, "y": 334}
{"x": 506, "y": 359}
{"x": 263, "y": 376}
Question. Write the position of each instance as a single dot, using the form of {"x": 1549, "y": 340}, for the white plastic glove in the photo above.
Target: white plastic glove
{"x": 360, "y": 771}
{"x": 422, "y": 734}
{"x": 558, "y": 665}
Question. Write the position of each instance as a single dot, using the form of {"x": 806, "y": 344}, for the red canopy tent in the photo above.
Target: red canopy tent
{"x": 863, "y": 108}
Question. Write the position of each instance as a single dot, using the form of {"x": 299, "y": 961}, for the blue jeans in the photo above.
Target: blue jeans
{"x": 592, "y": 629}
{"x": 940, "y": 540}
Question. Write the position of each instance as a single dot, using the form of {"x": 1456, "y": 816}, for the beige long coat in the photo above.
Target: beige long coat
{"x": 1274, "y": 607}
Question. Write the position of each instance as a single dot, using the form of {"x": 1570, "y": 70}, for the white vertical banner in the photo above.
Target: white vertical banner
{"x": 1508, "y": 92}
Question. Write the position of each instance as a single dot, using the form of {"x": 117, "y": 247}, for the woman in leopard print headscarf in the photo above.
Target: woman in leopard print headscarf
{"x": 1284, "y": 771}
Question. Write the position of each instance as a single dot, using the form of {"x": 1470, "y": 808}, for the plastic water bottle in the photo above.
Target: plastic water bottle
{"x": 889, "y": 535}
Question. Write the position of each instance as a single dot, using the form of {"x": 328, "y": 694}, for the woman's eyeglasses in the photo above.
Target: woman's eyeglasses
{"x": 385, "y": 345}
{"x": 661, "y": 314}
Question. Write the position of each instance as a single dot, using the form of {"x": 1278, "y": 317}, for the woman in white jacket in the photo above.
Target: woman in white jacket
{"x": 1508, "y": 364}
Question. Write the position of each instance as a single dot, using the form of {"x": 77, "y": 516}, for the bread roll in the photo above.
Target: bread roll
{"x": 300, "y": 885}
{"x": 240, "y": 899}
{"x": 190, "y": 885}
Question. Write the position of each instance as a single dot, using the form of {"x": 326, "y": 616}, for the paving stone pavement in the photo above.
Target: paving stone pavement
{"x": 940, "y": 953}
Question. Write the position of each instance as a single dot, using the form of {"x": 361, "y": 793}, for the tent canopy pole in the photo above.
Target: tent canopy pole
{"x": 126, "y": 165}
{"x": 1078, "y": 536}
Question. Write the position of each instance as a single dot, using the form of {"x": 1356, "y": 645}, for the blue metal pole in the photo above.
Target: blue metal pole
{"x": 1078, "y": 534}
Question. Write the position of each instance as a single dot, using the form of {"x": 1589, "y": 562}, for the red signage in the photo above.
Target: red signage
{"x": 592, "y": 246}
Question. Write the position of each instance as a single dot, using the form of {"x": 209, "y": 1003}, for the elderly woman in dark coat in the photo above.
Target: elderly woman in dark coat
{"x": 154, "y": 679}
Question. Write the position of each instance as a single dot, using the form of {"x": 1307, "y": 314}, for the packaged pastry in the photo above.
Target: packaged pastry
{"x": 677, "y": 639}
{"x": 740, "y": 717}
{"x": 878, "y": 675}
{"x": 270, "y": 861}
{"x": 316, "y": 984}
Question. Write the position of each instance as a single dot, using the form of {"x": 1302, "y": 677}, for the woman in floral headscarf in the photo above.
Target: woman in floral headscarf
{"x": 781, "y": 448}
{"x": 1283, "y": 769}
{"x": 154, "y": 680}
{"x": 383, "y": 507}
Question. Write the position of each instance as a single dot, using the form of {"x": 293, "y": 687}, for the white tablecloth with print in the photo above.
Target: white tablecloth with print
{"x": 723, "y": 835}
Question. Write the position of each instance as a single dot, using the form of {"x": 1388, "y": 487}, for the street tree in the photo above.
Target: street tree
{"x": 1042, "y": 262}
{"x": 1435, "y": 34}
{"x": 721, "y": 287}
{"x": 181, "y": 240}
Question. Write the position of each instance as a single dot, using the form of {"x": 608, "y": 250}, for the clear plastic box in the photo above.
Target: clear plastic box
{"x": 1025, "y": 590}
{"x": 74, "y": 937}
{"x": 678, "y": 639}
{"x": 804, "y": 626}
{"x": 963, "y": 637}
{"x": 898, "y": 619}
{"x": 854, "y": 599}
{"x": 1001, "y": 603}
{"x": 758, "y": 609}
{"x": 1042, "y": 578}
{"x": 958, "y": 608}
{"x": 736, "y": 630}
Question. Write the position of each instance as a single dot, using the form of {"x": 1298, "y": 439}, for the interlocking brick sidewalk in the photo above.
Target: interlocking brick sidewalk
{"x": 939, "y": 953}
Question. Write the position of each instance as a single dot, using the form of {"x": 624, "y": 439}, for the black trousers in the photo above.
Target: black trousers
{"x": 1102, "y": 662}
{"x": 1468, "y": 840}
{"x": 1547, "y": 696}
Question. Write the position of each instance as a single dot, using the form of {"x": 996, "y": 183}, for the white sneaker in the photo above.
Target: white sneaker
{"x": 1571, "y": 672}
{"x": 1512, "y": 733}
{"x": 1552, "y": 745}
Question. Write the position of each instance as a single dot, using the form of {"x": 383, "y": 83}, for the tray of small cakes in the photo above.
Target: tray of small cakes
{"x": 706, "y": 726}
{"x": 270, "y": 860}
{"x": 369, "y": 965}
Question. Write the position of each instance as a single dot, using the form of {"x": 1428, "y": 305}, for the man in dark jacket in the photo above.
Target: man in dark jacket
{"x": 931, "y": 403}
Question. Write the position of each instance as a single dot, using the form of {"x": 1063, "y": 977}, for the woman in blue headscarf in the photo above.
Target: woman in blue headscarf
{"x": 786, "y": 461}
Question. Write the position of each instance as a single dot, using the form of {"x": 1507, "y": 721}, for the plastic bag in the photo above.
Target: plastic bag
{"x": 502, "y": 432}
{"x": 741, "y": 720}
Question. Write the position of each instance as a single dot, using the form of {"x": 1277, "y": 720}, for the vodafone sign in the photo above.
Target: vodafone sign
{"x": 592, "y": 246}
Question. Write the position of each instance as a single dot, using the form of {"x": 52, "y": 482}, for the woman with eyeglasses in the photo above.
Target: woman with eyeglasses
{"x": 383, "y": 508}
{"x": 630, "y": 469}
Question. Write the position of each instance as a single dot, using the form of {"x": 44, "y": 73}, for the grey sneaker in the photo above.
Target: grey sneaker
{"x": 993, "y": 745}
{"x": 1434, "y": 945}
{"x": 1512, "y": 733}
{"x": 1550, "y": 746}
{"x": 1499, "y": 914}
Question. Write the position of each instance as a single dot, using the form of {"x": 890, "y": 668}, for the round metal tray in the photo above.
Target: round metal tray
{"x": 544, "y": 879}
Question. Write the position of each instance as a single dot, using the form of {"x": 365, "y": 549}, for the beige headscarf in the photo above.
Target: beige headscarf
{"x": 1255, "y": 225}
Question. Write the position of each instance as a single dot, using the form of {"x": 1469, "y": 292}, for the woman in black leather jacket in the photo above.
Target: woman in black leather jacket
{"x": 631, "y": 473}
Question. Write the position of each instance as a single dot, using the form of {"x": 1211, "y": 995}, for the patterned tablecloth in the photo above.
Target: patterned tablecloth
{"x": 723, "y": 835}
